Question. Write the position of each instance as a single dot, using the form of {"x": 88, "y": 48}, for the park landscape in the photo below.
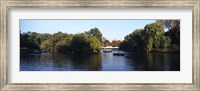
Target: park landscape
{"x": 153, "y": 47}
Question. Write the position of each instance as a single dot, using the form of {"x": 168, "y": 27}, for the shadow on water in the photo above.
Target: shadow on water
{"x": 154, "y": 61}
{"x": 54, "y": 61}
{"x": 60, "y": 62}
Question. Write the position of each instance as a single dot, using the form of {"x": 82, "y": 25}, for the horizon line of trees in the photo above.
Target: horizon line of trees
{"x": 89, "y": 41}
{"x": 151, "y": 38}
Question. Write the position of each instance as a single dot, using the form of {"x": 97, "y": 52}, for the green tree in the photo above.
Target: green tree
{"x": 165, "y": 42}
{"x": 96, "y": 33}
{"x": 80, "y": 43}
{"x": 63, "y": 45}
{"x": 45, "y": 45}
{"x": 152, "y": 34}
{"x": 133, "y": 41}
{"x": 95, "y": 44}
{"x": 149, "y": 44}
{"x": 154, "y": 29}
{"x": 31, "y": 40}
{"x": 147, "y": 39}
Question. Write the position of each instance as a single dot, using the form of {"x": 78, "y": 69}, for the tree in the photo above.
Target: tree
{"x": 96, "y": 33}
{"x": 95, "y": 44}
{"x": 147, "y": 39}
{"x": 45, "y": 45}
{"x": 152, "y": 34}
{"x": 64, "y": 44}
{"x": 80, "y": 43}
{"x": 174, "y": 30}
{"x": 24, "y": 40}
{"x": 31, "y": 40}
{"x": 133, "y": 41}
{"x": 116, "y": 43}
{"x": 154, "y": 29}
{"x": 149, "y": 44}
{"x": 61, "y": 42}
{"x": 165, "y": 42}
{"x": 170, "y": 24}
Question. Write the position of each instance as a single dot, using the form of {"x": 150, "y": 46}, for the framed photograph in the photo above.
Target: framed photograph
{"x": 99, "y": 45}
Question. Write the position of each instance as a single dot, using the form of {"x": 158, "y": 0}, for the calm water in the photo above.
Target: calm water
{"x": 100, "y": 62}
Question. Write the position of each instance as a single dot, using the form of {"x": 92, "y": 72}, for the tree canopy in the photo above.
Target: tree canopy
{"x": 151, "y": 38}
{"x": 174, "y": 30}
{"x": 63, "y": 42}
{"x": 95, "y": 32}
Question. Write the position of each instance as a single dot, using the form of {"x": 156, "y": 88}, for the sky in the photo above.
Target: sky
{"x": 111, "y": 29}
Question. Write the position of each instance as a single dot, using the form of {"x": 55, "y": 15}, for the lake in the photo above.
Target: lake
{"x": 54, "y": 61}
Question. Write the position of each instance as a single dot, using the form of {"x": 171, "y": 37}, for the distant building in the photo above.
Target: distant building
{"x": 106, "y": 43}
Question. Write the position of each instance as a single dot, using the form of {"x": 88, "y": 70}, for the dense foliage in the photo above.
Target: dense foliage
{"x": 63, "y": 42}
{"x": 96, "y": 33}
{"x": 151, "y": 38}
{"x": 174, "y": 30}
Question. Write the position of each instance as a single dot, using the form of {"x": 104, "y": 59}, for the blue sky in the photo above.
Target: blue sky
{"x": 111, "y": 29}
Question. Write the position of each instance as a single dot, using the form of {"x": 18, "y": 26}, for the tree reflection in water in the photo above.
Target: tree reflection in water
{"x": 55, "y": 61}
{"x": 154, "y": 61}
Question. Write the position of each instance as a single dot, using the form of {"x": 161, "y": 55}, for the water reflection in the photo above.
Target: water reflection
{"x": 154, "y": 61}
{"x": 99, "y": 62}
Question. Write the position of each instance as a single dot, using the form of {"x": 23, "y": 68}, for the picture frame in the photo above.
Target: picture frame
{"x": 4, "y": 45}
